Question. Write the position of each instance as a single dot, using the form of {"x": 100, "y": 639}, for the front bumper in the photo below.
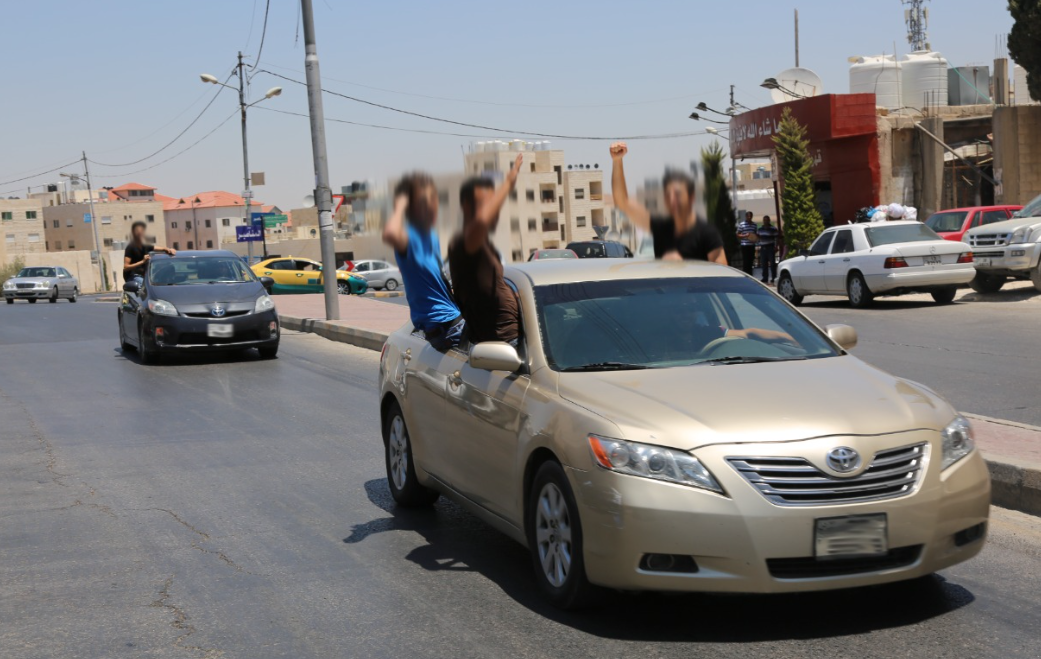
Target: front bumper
{"x": 183, "y": 333}
{"x": 1009, "y": 260}
{"x": 920, "y": 279}
{"x": 732, "y": 537}
{"x": 28, "y": 293}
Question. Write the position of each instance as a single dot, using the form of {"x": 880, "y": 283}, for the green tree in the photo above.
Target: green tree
{"x": 1024, "y": 41}
{"x": 802, "y": 220}
{"x": 718, "y": 206}
{"x": 11, "y": 269}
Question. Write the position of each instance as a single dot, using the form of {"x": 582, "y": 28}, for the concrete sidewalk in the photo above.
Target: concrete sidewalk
{"x": 1012, "y": 450}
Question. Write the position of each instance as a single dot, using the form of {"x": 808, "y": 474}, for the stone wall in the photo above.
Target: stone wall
{"x": 1017, "y": 153}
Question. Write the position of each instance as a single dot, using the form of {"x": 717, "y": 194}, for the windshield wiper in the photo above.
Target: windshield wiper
{"x": 605, "y": 366}
{"x": 750, "y": 360}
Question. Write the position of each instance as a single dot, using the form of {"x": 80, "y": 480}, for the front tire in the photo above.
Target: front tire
{"x": 391, "y": 285}
{"x": 343, "y": 288}
{"x": 75, "y": 294}
{"x": 945, "y": 295}
{"x": 147, "y": 356}
{"x": 786, "y": 288}
{"x": 555, "y": 539}
{"x": 1035, "y": 277}
{"x": 54, "y": 296}
{"x": 31, "y": 300}
{"x": 857, "y": 291}
{"x": 984, "y": 283}
{"x": 401, "y": 471}
{"x": 268, "y": 352}
{"x": 10, "y": 300}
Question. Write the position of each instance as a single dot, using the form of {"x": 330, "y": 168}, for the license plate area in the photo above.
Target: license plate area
{"x": 982, "y": 261}
{"x": 933, "y": 260}
{"x": 220, "y": 330}
{"x": 851, "y": 536}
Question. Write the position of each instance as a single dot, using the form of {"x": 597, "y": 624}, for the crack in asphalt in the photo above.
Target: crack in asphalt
{"x": 201, "y": 534}
{"x": 48, "y": 448}
{"x": 181, "y": 622}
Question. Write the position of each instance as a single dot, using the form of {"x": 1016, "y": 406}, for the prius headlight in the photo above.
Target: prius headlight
{"x": 648, "y": 461}
{"x": 264, "y": 303}
{"x": 162, "y": 308}
{"x": 957, "y": 441}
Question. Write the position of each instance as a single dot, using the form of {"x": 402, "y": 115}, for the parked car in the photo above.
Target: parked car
{"x": 42, "y": 282}
{"x": 952, "y": 224}
{"x": 378, "y": 274}
{"x": 543, "y": 254}
{"x": 1010, "y": 249}
{"x": 617, "y": 445}
{"x": 297, "y": 275}
{"x": 198, "y": 300}
{"x": 600, "y": 249}
{"x": 862, "y": 261}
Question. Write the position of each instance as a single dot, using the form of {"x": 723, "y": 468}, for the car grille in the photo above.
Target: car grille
{"x": 795, "y": 482}
{"x": 25, "y": 285}
{"x": 988, "y": 239}
{"x": 812, "y": 568}
{"x": 207, "y": 314}
{"x": 987, "y": 254}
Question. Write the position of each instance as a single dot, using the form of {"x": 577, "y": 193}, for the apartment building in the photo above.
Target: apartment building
{"x": 583, "y": 205}
{"x": 206, "y": 220}
{"x": 67, "y": 229}
{"x": 22, "y": 223}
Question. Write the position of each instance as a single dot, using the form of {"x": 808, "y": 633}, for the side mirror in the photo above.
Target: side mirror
{"x": 495, "y": 356}
{"x": 267, "y": 282}
{"x": 805, "y": 253}
{"x": 844, "y": 335}
{"x": 132, "y": 287}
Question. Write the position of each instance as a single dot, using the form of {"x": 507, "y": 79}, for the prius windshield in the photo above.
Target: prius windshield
{"x": 205, "y": 270}
{"x": 659, "y": 323}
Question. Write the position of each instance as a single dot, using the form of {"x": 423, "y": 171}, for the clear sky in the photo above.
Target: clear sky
{"x": 119, "y": 78}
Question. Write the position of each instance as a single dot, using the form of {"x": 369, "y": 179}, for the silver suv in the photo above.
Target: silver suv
{"x": 1007, "y": 249}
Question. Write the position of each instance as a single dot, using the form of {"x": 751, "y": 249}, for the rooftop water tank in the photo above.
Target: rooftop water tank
{"x": 879, "y": 75}
{"x": 924, "y": 75}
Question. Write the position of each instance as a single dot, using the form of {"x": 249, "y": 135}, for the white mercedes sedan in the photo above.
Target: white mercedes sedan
{"x": 862, "y": 261}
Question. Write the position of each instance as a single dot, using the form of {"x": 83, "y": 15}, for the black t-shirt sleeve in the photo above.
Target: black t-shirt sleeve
{"x": 663, "y": 233}
{"x": 710, "y": 238}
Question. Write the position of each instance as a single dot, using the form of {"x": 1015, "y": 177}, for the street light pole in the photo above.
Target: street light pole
{"x": 94, "y": 220}
{"x": 248, "y": 196}
{"x": 733, "y": 173}
{"x": 323, "y": 193}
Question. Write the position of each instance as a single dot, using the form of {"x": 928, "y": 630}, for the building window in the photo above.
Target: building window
{"x": 513, "y": 195}
{"x": 177, "y": 245}
{"x": 208, "y": 224}
{"x": 149, "y": 218}
{"x": 7, "y": 215}
{"x": 533, "y": 224}
{"x": 150, "y": 240}
{"x": 173, "y": 225}
{"x": 226, "y": 222}
{"x": 191, "y": 245}
{"x": 72, "y": 244}
{"x": 514, "y": 225}
{"x": 188, "y": 227}
{"x": 562, "y": 232}
{"x": 106, "y": 219}
{"x": 57, "y": 224}
{"x": 57, "y": 245}
{"x": 532, "y": 168}
{"x": 561, "y": 200}
{"x": 68, "y": 222}
{"x": 245, "y": 221}
{"x": 34, "y": 237}
{"x": 558, "y": 170}
{"x": 517, "y": 255}
{"x": 30, "y": 215}
{"x": 580, "y": 220}
{"x": 580, "y": 193}
{"x": 108, "y": 242}
{"x": 530, "y": 195}
{"x": 209, "y": 243}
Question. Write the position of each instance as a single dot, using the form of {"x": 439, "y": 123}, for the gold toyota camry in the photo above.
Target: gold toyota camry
{"x": 679, "y": 427}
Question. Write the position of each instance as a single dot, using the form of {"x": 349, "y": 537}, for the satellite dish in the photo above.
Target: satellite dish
{"x": 796, "y": 83}
{"x": 309, "y": 201}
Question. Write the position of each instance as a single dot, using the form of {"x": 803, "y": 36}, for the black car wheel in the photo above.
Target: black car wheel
{"x": 124, "y": 345}
{"x": 945, "y": 295}
{"x": 268, "y": 352}
{"x": 10, "y": 300}
{"x": 857, "y": 290}
{"x": 147, "y": 356}
{"x": 401, "y": 471}
{"x": 391, "y": 285}
{"x": 983, "y": 283}
{"x": 75, "y": 294}
{"x": 31, "y": 300}
{"x": 54, "y": 296}
{"x": 786, "y": 287}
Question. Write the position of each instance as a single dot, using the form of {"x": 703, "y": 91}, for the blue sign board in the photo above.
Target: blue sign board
{"x": 257, "y": 219}
{"x": 248, "y": 234}
{"x": 86, "y": 218}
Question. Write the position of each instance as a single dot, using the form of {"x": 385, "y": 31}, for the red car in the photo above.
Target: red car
{"x": 952, "y": 224}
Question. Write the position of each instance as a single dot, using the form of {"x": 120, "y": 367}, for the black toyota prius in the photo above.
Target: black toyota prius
{"x": 198, "y": 300}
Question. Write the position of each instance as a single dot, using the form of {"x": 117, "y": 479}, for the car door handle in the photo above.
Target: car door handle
{"x": 267, "y": 273}
{"x": 820, "y": 261}
{"x": 407, "y": 357}
{"x": 846, "y": 260}
{"x": 299, "y": 274}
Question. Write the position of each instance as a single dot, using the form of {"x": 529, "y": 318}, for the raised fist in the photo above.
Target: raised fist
{"x": 618, "y": 150}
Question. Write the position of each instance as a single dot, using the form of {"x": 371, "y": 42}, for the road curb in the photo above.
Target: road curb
{"x": 1015, "y": 484}
{"x": 383, "y": 294}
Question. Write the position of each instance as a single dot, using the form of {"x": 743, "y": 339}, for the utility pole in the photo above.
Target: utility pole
{"x": 796, "y": 38}
{"x": 733, "y": 168}
{"x": 248, "y": 196}
{"x": 94, "y": 220}
{"x": 323, "y": 194}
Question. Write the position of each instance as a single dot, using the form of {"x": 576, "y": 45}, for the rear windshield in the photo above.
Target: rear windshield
{"x": 901, "y": 233}
{"x": 948, "y": 221}
{"x": 207, "y": 270}
{"x": 586, "y": 250}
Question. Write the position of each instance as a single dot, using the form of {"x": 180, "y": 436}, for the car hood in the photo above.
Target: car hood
{"x": 208, "y": 293}
{"x": 1007, "y": 226}
{"x": 694, "y": 406}
{"x": 33, "y": 280}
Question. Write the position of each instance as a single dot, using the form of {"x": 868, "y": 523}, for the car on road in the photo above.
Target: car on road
{"x": 617, "y": 443}
{"x": 294, "y": 275}
{"x": 600, "y": 249}
{"x": 378, "y": 274}
{"x": 862, "y": 261}
{"x": 1010, "y": 249}
{"x": 198, "y": 301}
{"x": 952, "y": 224}
{"x": 543, "y": 254}
{"x": 47, "y": 282}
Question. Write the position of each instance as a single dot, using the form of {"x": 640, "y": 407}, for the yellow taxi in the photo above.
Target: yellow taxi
{"x": 298, "y": 275}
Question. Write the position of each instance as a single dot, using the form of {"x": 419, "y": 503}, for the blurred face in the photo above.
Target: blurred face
{"x": 678, "y": 199}
{"x": 422, "y": 208}
{"x": 139, "y": 234}
{"x": 766, "y": 221}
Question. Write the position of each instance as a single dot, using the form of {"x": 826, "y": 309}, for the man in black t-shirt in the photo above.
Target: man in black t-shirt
{"x": 680, "y": 234}
{"x": 137, "y": 253}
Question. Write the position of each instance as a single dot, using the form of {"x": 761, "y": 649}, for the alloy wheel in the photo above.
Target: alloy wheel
{"x": 856, "y": 291}
{"x": 787, "y": 289}
{"x": 397, "y": 446}
{"x": 553, "y": 535}
{"x": 343, "y": 288}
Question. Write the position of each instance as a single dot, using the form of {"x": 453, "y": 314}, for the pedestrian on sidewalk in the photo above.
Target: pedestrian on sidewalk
{"x": 768, "y": 249}
{"x": 747, "y": 233}
{"x": 489, "y": 305}
{"x": 138, "y": 253}
{"x": 679, "y": 235}
{"x": 411, "y": 233}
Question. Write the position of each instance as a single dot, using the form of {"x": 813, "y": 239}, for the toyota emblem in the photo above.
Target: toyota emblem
{"x": 843, "y": 459}
{"x": 217, "y": 311}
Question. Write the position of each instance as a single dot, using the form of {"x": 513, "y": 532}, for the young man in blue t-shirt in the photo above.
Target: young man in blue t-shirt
{"x": 410, "y": 232}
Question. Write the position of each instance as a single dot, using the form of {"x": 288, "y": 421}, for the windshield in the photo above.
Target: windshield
{"x": 901, "y": 233}
{"x": 557, "y": 254}
{"x": 1033, "y": 209}
{"x": 947, "y": 221}
{"x": 37, "y": 272}
{"x": 658, "y": 323}
{"x": 207, "y": 270}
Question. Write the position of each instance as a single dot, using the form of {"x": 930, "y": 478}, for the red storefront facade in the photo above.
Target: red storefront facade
{"x": 842, "y": 129}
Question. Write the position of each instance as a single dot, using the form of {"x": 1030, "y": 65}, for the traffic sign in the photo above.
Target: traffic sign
{"x": 271, "y": 221}
{"x": 248, "y": 234}
{"x": 257, "y": 219}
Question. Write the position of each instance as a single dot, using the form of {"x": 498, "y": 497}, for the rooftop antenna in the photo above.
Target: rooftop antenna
{"x": 917, "y": 19}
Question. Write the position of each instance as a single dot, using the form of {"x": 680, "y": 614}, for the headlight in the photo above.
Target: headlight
{"x": 1019, "y": 236}
{"x": 264, "y": 303}
{"x": 649, "y": 461}
{"x": 8, "y": 285}
{"x": 957, "y": 441}
{"x": 162, "y": 308}
{"x": 42, "y": 284}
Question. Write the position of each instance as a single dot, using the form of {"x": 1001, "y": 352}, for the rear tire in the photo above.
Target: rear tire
{"x": 857, "y": 290}
{"x": 391, "y": 285}
{"x": 268, "y": 352}
{"x": 401, "y": 471}
{"x": 786, "y": 288}
{"x": 945, "y": 296}
{"x": 10, "y": 300}
{"x": 54, "y": 296}
{"x": 983, "y": 283}
{"x": 1035, "y": 277}
{"x": 124, "y": 345}
{"x": 75, "y": 294}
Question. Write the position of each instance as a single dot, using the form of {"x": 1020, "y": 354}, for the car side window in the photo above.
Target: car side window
{"x": 362, "y": 267}
{"x": 821, "y": 245}
{"x": 306, "y": 266}
{"x": 843, "y": 242}
{"x": 277, "y": 265}
{"x": 990, "y": 217}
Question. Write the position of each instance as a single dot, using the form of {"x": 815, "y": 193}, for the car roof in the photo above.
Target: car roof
{"x": 568, "y": 271}
{"x": 197, "y": 253}
{"x": 867, "y": 225}
{"x": 998, "y": 207}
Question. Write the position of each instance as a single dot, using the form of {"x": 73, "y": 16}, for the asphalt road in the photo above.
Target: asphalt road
{"x": 237, "y": 508}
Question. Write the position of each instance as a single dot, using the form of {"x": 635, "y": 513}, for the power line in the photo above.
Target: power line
{"x": 25, "y": 171}
{"x": 252, "y": 20}
{"x": 49, "y": 171}
{"x": 491, "y": 128}
{"x": 178, "y": 116}
{"x": 263, "y": 33}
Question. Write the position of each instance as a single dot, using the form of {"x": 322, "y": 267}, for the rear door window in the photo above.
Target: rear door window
{"x": 843, "y": 242}
{"x": 821, "y": 245}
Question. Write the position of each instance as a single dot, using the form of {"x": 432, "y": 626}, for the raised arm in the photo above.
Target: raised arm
{"x": 487, "y": 216}
{"x": 637, "y": 212}
{"x": 166, "y": 250}
{"x": 394, "y": 233}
